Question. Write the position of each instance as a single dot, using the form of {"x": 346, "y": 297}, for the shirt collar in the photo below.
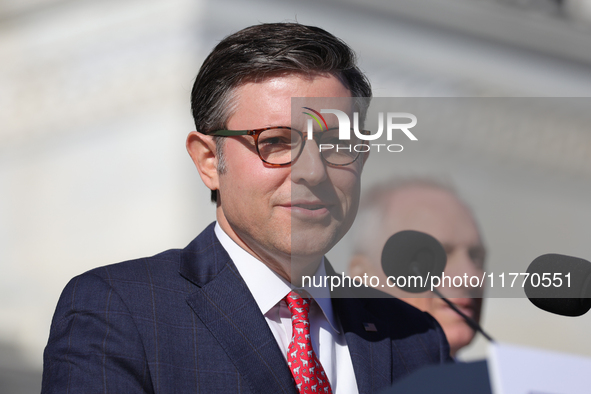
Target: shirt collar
{"x": 266, "y": 286}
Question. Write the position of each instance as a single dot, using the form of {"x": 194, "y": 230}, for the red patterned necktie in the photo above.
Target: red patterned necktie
{"x": 305, "y": 367}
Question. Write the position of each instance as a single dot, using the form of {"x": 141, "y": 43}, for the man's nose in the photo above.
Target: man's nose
{"x": 309, "y": 168}
{"x": 469, "y": 266}
{"x": 460, "y": 263}
{"x": 473, "y": 270}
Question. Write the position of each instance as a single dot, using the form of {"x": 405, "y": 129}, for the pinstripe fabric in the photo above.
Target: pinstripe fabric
{"x": 184, "y": 321}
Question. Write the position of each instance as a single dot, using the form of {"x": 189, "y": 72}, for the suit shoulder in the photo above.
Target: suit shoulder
{"x": 84, "y": 291}
{"x": 144, "y": 269}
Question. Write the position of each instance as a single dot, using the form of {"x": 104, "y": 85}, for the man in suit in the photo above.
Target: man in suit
{"x": 225, "y": 314}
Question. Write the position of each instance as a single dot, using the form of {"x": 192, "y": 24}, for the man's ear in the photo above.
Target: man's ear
{"x": 359, "y": 265}
{"x": 202, "y": 150}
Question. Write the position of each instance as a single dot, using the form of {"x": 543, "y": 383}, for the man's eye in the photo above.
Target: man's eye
{"x": 477, "y": 255}
{"x": 275, "y": 141}
{"x": 332, "y": 141}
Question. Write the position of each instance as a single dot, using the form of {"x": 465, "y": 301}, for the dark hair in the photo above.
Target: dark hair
{"x": 262, "y": 51}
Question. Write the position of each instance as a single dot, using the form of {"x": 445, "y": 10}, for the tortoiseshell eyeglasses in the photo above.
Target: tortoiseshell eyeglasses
{"x": 279, "y": 146}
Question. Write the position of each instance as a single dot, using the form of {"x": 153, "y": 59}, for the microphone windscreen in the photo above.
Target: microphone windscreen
{"x": 411, "y": 254}
{"x": 560, "y": 284}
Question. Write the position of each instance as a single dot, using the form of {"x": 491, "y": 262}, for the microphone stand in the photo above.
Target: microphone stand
{"x": 471, "y": 322}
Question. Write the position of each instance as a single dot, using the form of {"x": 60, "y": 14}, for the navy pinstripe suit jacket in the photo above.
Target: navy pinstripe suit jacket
{"x": 184, "y": 321}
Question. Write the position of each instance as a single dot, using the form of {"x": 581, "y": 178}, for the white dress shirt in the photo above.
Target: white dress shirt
{"x": 269, "y": 290}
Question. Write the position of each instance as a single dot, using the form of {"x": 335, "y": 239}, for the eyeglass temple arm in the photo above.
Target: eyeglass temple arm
{"x": 229, "y": 133}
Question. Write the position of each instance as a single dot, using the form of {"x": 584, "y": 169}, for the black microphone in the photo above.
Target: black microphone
{"x": 559, "y": 284}
{"x": 413, "y": 253}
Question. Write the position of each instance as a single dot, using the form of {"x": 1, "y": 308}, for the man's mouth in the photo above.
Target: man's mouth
{"x": 466, "y": 305}
{"x": 311, "y": 209}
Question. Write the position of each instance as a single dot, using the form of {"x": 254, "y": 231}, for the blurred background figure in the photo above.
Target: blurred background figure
{"x": 435, "y": 209}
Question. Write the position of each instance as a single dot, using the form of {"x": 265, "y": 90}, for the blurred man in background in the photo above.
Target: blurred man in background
{"x": 435, "y": 209}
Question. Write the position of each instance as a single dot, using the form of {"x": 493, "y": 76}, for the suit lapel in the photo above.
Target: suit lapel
{"x": 371, "y": 351}
{"x": 226, "y": 307}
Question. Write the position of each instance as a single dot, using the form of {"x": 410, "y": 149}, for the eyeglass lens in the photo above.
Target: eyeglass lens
{"x": 282, "y": 146}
